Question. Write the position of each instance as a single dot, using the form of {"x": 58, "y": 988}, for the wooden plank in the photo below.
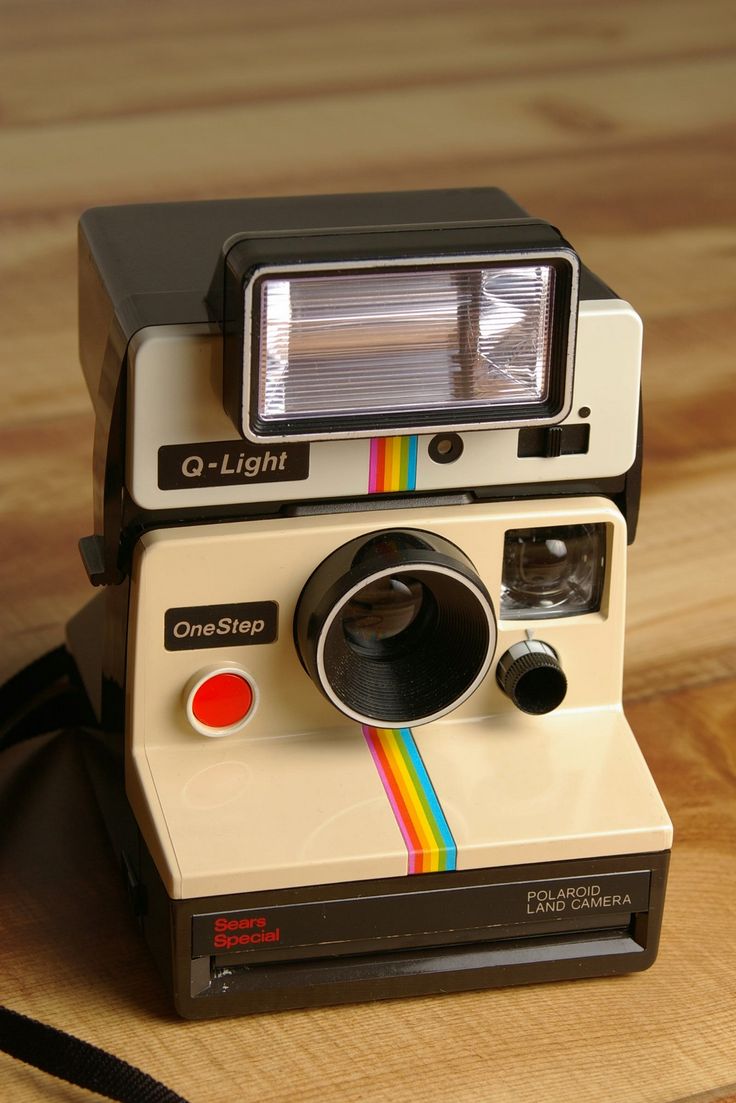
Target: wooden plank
{"x": 303, "y": 145}
{"x": 311, "y": 53}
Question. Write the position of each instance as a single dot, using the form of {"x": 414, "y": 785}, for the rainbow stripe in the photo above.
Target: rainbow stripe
{"x": 393, "y": 464}
{"x": 421, "y": 820}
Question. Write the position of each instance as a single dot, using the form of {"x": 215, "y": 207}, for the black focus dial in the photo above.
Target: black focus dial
{"x": 530, "y": 674}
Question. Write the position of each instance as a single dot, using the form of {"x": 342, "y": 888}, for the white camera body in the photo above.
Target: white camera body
{"x": 369, "y": 679}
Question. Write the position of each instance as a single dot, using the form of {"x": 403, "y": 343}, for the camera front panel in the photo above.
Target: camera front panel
{"x": 245, "y": 775}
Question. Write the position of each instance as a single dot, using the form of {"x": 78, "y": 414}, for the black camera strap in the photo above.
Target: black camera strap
{"x": 78, "y": 1062}
{"x": 43, "y": 697}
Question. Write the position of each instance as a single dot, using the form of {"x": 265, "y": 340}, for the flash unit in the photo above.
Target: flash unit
{"x": 385, "y": 344}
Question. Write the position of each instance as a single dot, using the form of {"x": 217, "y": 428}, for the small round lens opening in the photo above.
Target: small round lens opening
{"x": 384, "y": 617}
{"x": 425, "y": 644}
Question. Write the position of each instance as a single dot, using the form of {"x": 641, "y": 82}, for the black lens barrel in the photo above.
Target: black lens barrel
{"x": 420, "y": 673}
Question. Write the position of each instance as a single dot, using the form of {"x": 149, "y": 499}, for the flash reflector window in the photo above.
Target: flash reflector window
{"x": 347, "y": 344}
{"x": 553, "y": 572}
{"x": 409, "y": 348}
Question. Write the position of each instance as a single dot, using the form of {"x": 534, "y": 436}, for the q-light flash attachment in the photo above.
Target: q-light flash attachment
{"x": 380, "y": 344}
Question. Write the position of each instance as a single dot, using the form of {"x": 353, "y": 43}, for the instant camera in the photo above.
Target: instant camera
{"x": 366, "y": 468}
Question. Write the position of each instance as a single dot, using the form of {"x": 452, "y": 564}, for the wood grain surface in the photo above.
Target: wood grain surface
{"x": 614, "y": 121}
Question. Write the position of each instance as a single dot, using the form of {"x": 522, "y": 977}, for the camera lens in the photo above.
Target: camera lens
{"x": 396, "y": 628}
{"x": 379, "y": 618}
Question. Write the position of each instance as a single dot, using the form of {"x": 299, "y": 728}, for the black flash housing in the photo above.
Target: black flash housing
{"x": 519, "y": 243}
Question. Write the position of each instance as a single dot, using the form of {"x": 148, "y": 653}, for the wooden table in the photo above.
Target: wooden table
{"x": 616, "y": 123}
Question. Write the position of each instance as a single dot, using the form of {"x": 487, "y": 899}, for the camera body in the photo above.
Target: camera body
{"x": 366, "y": 468}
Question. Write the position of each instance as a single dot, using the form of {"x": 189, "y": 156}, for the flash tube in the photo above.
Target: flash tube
{"x": 357, "y": 352}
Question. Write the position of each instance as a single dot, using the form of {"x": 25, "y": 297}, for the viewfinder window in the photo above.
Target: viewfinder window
{"x": 553, "y": 572}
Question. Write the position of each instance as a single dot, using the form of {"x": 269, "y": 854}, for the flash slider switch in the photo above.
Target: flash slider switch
{"x": 554, "y": 440}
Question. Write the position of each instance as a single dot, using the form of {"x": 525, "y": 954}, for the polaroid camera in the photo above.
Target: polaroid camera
{"x": 366, "y": 467}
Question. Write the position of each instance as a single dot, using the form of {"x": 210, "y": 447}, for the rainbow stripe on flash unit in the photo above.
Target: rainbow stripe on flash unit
{"x": 393, "y": 464}
{"x": 421, "y": 820}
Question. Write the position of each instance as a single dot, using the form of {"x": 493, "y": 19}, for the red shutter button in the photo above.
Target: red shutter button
{"x": 220, "y": 701}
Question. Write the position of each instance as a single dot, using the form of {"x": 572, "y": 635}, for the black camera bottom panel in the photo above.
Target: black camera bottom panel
{"x": 403, "y": 936}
